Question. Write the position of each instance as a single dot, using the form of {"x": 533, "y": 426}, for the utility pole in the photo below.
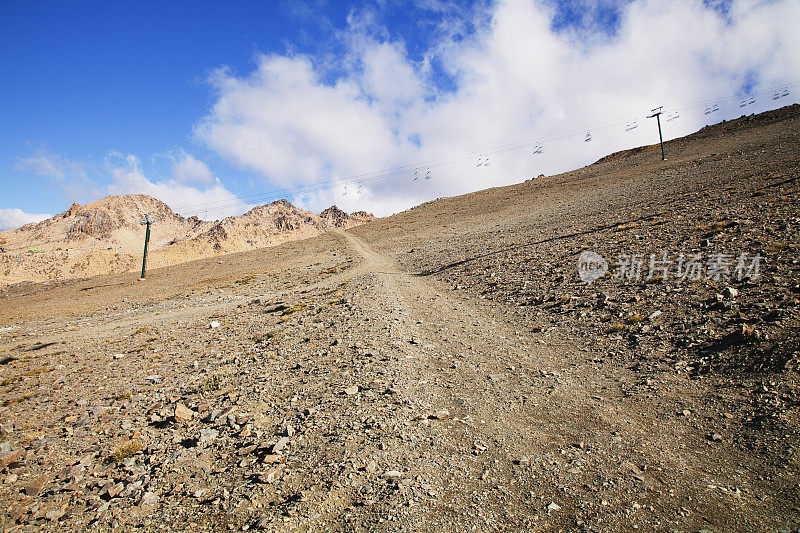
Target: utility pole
{"x": 657, "y": 113}
{"x": 146, "y": 221}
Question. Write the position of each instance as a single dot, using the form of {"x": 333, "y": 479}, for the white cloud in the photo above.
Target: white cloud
{"x": 209, "y": 202}
{"x": 297, "y": 123}
{"x": 14, "y": 218}
{"x": 186, "y": 169}
{"x": 43, "y": 164}
{"x": 283, "y": 121}
{"x": 66, "y": 175}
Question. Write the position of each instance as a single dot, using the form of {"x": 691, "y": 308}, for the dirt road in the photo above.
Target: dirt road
{"x": 527, "y": 401}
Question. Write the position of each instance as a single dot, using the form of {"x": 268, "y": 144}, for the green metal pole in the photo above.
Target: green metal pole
{"x": 146, "y": 240}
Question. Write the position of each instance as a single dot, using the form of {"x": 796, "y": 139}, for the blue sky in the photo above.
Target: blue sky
{"x": 217, "y": 106}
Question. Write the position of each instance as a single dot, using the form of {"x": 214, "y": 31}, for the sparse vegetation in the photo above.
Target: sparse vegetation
{"x": 213, "y": 382}
{"x": 125, "y": 450}
{"x": 124, "y": 395}
{"x": 634, "y": 318}
{"x": 19, "y": 399}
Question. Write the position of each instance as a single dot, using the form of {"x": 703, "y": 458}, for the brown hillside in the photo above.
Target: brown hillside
{"x": 106, "y": 236}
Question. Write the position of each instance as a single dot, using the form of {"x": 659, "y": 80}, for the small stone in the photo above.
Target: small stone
{"x": 371, "y": 467}
{"x": 214, "y": 324}
{"x": 271, "y": 458}
{"x": 262, "y": 523}
{"x": 114, "y": 490}
{"x": 553, "y": 507}
{"x": 392, "y": 475}
{"x": 183, "y": 413}
{"x": 730, "y": 292}
{"x": 282, "y": 443}
{"x": 6, "y": 458}
{"x": 148, "y": 498}
{"x": 207, "y": 436}
{"x": 35, "y": 485}
{"x": 289, "y": 430}
{"x": 75, "y": 471}
{"x": 102, "y": 510}
{"x": 716, "y": 437}
{"x": 11, "y": 478}
{"x": 351, "y": 390}
{"x": 442, "y": 414}
{"x": 271, "y": 475}
{"x": 55, "y": 514}
{"x": 118, "y": 355}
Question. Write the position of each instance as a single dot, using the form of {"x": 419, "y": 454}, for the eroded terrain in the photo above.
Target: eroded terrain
{"x": 442, "y": 369}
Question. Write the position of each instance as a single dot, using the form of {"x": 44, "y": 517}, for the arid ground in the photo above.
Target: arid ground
{"x": 443, "y": 369}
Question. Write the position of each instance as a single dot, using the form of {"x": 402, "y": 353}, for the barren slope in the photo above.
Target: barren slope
{"x": 442, "y": 369}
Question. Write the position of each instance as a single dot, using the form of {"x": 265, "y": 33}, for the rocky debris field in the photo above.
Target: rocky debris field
{"x": 442, "y": 369}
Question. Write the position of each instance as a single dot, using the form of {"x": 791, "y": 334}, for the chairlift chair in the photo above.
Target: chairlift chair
{"x": 785, "y": 92}
{"x": 428, "y": 174}
{"x": 588, "y": 137}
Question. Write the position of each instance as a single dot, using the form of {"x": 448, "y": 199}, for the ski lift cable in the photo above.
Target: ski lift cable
{"x": 499, "y": 149}
{"x": 471, "y": 155}
{"x": 393, "y": 171}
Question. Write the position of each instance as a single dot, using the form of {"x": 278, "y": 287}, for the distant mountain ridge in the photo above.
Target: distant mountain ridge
{"x": 106, "y": 236}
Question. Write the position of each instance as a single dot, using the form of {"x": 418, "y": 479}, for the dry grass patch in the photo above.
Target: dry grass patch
{"x": 124, "y": 450}
{"x": 634, "y": 318}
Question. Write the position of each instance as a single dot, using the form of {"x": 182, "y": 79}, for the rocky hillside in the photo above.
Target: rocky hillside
{"x": 112, "y": 222}
{"x": 448, "y": 368}
{"x": 106, "y": 236}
